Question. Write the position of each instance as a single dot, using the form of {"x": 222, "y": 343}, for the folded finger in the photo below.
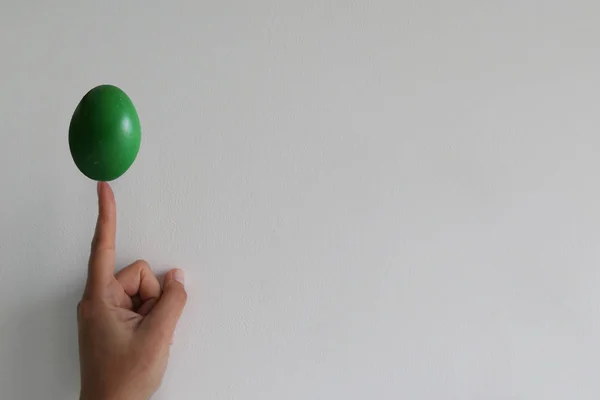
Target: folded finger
{"x": 163, "y": 317}
{"x": 138, "y": 279}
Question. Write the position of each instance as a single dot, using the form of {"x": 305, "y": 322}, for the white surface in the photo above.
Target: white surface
{"x": 371, "y": 199}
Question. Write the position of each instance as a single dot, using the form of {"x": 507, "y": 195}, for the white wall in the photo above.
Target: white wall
{"x": 371, "y": 199}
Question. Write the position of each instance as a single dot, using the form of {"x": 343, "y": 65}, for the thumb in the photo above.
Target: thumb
{"x": 161, "y": 321}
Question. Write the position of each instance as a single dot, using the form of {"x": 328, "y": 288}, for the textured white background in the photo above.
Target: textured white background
{"x": 371, "y": 199}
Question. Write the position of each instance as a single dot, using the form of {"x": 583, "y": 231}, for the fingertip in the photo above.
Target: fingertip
{"x": 174, "y": 287}
{"x": 176, "y": 275}
{"x": 104, "y": 191}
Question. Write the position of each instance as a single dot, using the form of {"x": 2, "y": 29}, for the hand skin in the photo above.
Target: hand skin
{"x": 126, "y": 321}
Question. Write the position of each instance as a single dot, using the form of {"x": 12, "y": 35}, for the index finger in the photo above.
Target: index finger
{"x": 102, "y": 256}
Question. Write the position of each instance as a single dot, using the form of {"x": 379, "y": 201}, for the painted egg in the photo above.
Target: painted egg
{"x": 105, "y": 133}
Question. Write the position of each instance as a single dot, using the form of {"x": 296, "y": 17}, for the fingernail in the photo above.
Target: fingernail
{"x": 179, "y": 276}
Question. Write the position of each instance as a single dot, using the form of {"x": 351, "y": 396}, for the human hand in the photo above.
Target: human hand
{"x": 125, "y": 323}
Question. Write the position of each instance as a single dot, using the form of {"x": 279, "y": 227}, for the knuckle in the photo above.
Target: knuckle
{"x": 177, "y": 293}
{"x": 101, "y": 245}
{"x": 142, "y": 264}
{"x": 181, "y": 295}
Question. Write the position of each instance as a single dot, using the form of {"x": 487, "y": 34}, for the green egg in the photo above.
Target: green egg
{"x": 105, "y": 133}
